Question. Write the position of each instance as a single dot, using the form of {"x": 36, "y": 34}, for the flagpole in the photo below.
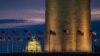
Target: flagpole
{"x": 12, "y": 45}
{"x": 36, "y": 44}
{"x": 5, "y": 36}
{"x": 25, "y": 37}
{"x": 7, "y": 45}
{"x": 36, "y": 41}
{"x": 23, "y": 42}
{"x": 1, "y": 44}
{"x": 14, "y": 35}
{"x": 26, "y": 40}
{"x": 17, "y": 45}
{"x": 39, "y": 38}
{"x": 25, "y": 46}
{"x": 27, "y": 33}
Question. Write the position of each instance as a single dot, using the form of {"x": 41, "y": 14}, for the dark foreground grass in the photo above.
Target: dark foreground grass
{"x": 50, "y": 54}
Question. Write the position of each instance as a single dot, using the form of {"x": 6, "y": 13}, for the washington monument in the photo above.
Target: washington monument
{"x": 68, "y": 26}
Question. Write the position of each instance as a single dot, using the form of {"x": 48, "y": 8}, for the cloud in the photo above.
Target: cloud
{"x": 28, "y": 17}
{"x": 25, "y": 22}
{"x": 95, "y": 14}
{"x": 42, "y": 20}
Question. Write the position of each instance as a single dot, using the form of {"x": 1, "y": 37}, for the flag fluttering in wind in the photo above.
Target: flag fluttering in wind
{"x": 39, "y": 32}
{"x": 10, "y": 39}
{"x": 52, "y": 33}
{"x": 30, "y": 39}
{"x": 15, "y": 33}
{"x": 19, "y": 39}
{"x": 93, "y": 33}
{"x": 4, "y": 33}
{"x": 66, "y": 31}
{"x": 79, "y": 32}
{"x": 26, "y": 32}
{"x": 1, "y": 39}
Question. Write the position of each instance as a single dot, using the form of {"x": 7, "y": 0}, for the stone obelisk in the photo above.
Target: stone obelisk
{"x": 70, "y": 16}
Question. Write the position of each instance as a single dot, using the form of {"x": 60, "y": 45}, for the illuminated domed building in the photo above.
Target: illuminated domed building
{"x": 33, "y": 46}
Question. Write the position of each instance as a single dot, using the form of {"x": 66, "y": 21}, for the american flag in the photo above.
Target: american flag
{"x": 4, "y": 33}
{"x": 30, "y": 39}
{"x": 19, "y": 39}
{"x": 26, "y": 32}
{"x": 52, "y": 32}
{"x": 10, "y": 39}
{"x": 79, "y": 32}
{"x": 93, "y": 33}
{"x": 66, "y": 31}
{"x": 15, "y": 33}
{"x": 1, "y": 39}
{"x": 39, "y": 32}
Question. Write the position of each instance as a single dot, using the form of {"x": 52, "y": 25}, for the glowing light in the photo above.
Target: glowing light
{"x": 33, "y": 46}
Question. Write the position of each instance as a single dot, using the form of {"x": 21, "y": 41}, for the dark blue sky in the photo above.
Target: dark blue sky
{"x": 21, "y": 4}
{"x": 32, "y": 12}
{"x": 95, "y": 4}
